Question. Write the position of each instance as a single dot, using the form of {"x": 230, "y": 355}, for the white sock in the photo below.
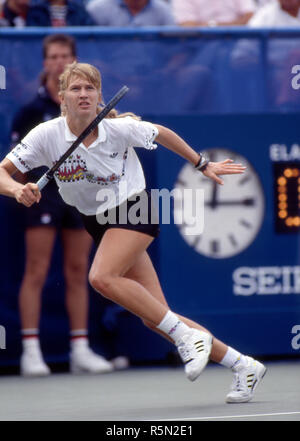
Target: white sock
{"x": 77, "y": 333}
{"x": 30, "y": 339}
{"x": 173, "y": 326}
{"x": 80, "y": 343}
{"x": 231, "y": 358}
{"x": 31, "y": 345}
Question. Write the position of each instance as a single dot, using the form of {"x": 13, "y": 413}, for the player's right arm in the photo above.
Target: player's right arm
{"x": 26, "y": 194}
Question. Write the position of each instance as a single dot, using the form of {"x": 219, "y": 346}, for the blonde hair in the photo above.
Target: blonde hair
{"x": 93, "y": 76}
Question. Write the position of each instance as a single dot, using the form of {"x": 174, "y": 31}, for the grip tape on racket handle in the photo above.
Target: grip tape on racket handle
{"x": 43, "y": 181}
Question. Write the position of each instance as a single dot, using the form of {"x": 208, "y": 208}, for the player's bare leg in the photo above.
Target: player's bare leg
{"x": 117, "y": 253}
{"x": 247, "y": 372}
{"x": 121, "y": 250}
{"x": 144, "y": 273}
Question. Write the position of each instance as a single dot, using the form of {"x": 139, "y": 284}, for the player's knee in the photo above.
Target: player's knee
{"x": 101, "y": 283}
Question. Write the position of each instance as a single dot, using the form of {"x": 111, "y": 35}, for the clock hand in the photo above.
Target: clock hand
{"x": 213, "y": 202}
{"x": 247, "y": 202}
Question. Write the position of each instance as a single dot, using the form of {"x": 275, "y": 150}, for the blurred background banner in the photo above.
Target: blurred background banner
{"x": 231, "y": 92}
{"x": 174, "y": 71}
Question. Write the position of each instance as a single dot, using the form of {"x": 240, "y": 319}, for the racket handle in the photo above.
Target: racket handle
{"x": 43, "y": 181}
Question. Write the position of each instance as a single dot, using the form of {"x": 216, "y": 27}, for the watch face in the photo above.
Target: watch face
{"x": 233, "y": 212}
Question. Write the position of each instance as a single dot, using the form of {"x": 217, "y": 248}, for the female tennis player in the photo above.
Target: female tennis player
{"x": 122, "y": 270}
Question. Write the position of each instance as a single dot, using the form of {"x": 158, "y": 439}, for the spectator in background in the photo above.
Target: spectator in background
{"x": 213, "y": 12}
{"x": 58, "y": 13}
{"x": 130, "y": 12}
{"x": 284, "y": 54}
{"x": 261, "y": 3}
{"x": 279, "y": 13}
{"x": 281, "y": 55}
{"x": 13, "y": 13}
{"x": 43, "y": 222}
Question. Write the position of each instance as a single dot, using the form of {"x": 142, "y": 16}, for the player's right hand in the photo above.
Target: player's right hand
{"x": 28, "y": 194}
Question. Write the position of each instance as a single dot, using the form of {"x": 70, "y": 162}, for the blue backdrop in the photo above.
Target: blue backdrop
{"x": 227, "y": 89}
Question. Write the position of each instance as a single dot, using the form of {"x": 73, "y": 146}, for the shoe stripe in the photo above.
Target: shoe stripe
{"x": 259, "y": 379}
{"x": 253, "y": 385}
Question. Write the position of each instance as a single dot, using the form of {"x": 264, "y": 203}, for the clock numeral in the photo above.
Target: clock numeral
{"x": 245, "y": 223}
{"x": 196, "y": 241}
{"x": 244, "y": 179}
{"x": 215, "y": 246}
{"x": 232, "y": 240}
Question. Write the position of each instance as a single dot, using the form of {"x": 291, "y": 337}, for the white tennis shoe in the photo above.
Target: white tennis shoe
{"x": 84, "y": 360}
{"x": 32, "y": 364}
{"x": 194, "y": 349}
{"x": 246, "y": 379}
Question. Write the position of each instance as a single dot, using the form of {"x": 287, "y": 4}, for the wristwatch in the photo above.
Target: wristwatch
{"x": 202, "y": 163}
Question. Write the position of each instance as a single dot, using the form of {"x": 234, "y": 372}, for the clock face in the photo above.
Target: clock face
{"x": 233, "y": 212}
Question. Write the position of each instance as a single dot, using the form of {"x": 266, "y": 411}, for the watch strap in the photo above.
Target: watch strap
{"x": 202, "y": 163}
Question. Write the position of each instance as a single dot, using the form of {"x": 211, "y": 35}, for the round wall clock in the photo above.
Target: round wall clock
{"x": 233, "y": 212}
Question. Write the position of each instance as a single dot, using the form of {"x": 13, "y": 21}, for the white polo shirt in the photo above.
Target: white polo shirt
{"x": 271, "y": 15}
{"x": 105, "y": 164}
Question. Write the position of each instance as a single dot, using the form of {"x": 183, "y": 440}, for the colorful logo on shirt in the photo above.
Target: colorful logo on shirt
{"x": 111, "y": 179}
{"x": 72, "y": 170}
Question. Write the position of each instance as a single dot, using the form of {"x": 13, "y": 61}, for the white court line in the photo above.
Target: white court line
{"x": 231, "y": 416}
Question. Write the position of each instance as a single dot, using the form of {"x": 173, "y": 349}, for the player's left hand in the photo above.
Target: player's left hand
{"x": 226, "y": 167}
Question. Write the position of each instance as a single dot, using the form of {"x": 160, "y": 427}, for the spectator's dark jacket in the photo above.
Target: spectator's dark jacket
{"x": 39, "y": 14}
{"x": 9, "y": 18}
